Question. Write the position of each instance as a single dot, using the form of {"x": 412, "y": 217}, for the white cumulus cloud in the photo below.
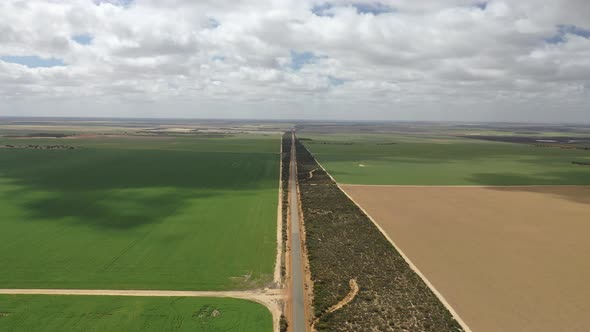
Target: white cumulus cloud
{"x": 526, "y": 60}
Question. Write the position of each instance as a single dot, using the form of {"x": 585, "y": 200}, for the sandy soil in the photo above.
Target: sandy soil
{"x": 505, "y": 258}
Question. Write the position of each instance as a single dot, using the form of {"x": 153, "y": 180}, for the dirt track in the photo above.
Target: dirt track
{"x": 270, "y": 298}
{"x": 506, "y": 258}
{"x": 298, "y": 322}
{"x": 354, "y": 290}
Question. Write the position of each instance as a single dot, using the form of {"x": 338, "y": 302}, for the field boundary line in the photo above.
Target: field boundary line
{"x": 461, "y": 186}
{"x": 250, "y": 294}
{"x": 404, "y": 256}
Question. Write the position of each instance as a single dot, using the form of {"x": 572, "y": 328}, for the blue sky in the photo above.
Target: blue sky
{"x": 300, "y": 59}
{"x": 563, "y": 30}
{"x": 124, "y": 3}
{"x": 374, "y": 8}
{"x": 322, "y": 10}
{"x": 482, "y": 5}
{"x": 83, "y": 39}
{"x": 335, "y": 81}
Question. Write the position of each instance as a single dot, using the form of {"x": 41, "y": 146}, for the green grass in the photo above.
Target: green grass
{"x": 139, "y": 213}
{"x": 32, "y": 313}
{"x": 434, "y": 160}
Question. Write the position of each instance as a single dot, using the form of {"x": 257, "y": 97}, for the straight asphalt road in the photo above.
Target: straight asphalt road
{"x": 297, "y": 294}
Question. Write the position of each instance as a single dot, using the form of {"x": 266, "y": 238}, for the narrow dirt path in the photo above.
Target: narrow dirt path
{"x": 310, "y": 176}
{"x": 459, "y": 185}
{"x": 354, "y": 289}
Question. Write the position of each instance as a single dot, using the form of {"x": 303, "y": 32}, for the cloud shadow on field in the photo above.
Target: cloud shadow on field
{"x": 519, "y": 182}
{"x": 99, "y": 210}
{"x": 124, "y": 189}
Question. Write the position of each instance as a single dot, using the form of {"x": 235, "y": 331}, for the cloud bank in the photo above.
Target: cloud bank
{"x": 526, "y": 60}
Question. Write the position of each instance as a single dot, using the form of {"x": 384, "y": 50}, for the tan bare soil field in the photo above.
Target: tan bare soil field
{"x": 505, "y": 258}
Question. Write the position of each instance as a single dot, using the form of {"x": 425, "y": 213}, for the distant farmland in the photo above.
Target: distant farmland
{"x": 498, "y": 228}
{"x": 139, "y": 212}
{"x": 445, "y": 160}
{"x": 151, "y": 314}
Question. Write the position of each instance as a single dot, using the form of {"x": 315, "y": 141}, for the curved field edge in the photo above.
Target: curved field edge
{"x": 102, "y": 313}
{"x": 133, "y": 213}
{"x": 344, "y": 244}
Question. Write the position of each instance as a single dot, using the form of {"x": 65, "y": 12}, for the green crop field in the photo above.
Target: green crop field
{"x": 444, "y": 160}
{"x": 139, "y": 213}
{"x": 101, "y": 313}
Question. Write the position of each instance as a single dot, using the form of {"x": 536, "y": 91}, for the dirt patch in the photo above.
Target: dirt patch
{"x": 505, "y": 258}
{"x": 206, "y": 312}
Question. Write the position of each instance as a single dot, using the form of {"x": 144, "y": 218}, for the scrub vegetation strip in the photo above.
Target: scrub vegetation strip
{"x": 343, "y": 244}
{"x": 285, "y": 161}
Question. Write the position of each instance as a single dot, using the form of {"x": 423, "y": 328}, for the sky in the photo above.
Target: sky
{"x": 437, "y": 60}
